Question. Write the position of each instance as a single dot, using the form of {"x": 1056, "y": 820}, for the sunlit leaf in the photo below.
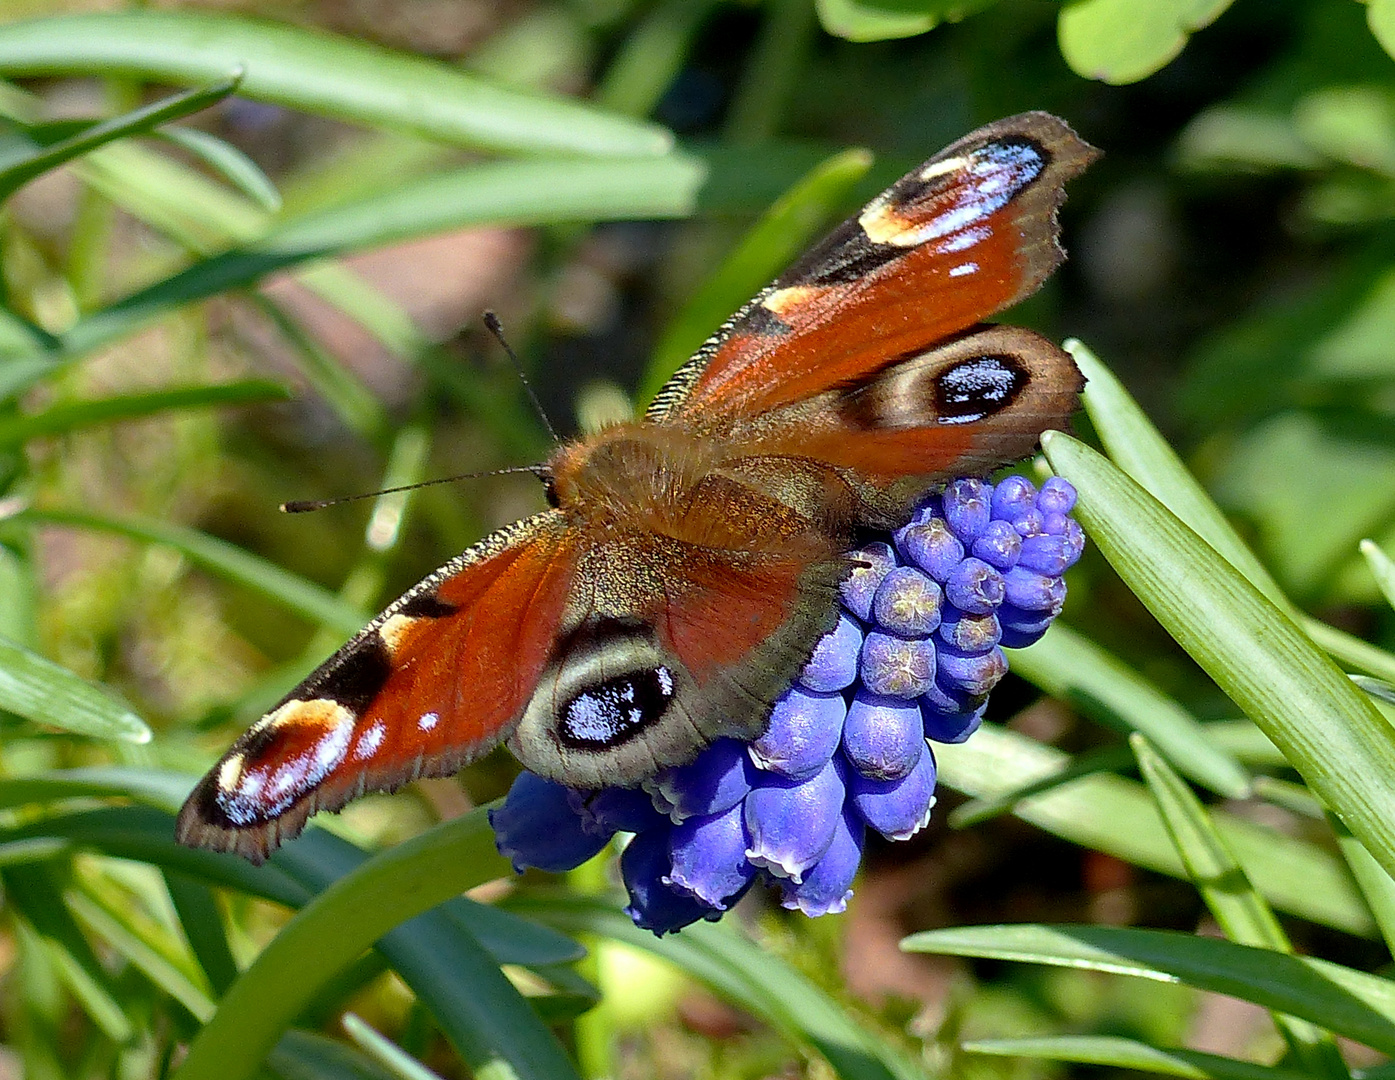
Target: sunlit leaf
{"x": 1382, "y": 568}
{"x": 1339, "y": 998}
{"x": 48, "y": 693}
{"x": 319, "y": 72}
{"x": 72, "y": 415}
{"x": 15, "y": 173}
{"x": 1113, "y": 814}
{"x": 756, "y": 980}
{"x": 1239, "y": 910}
{"x": 1332, "y": 734}
{"x": 229, "y": 162}
{"x": 1120, "y": 1053}
{"x": 1123, "y": 41}
{"x": 870, "y": 20}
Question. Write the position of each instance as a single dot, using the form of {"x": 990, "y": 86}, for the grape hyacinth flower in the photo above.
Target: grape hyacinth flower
{"x": 925, "y": 615}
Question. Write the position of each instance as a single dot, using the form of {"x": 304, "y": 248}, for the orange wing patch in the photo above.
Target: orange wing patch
{"x": 432, "y": 684}
{"x": 721, "y": 611}
{"x": 965, "y": 235}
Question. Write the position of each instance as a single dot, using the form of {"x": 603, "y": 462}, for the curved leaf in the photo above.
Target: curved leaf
{"x": 321, "y": 73}
{"x": 1123, "y": 41}
{"x": 1328, "y": 730}
{"x": 1341, "y": 999}
{"x": 1239, "y": 910}
{"x": 1124, "y": 1053}
{"x": 330, "y": 932}
{"x": 1115, "y": 815}
{"x": 501, "y": 193}
{"x": 71, "y": 415}
{"x": 15, "y": 174}
{"x": 752, "y": 977}
{"x": 48, "y": 693}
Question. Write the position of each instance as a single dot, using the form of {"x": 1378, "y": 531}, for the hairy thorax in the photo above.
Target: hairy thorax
{"x": 673, "y": 482}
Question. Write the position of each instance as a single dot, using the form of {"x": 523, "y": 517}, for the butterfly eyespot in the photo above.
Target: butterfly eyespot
{"x": 617, "y": 709}
{"x": 978, "y": 387}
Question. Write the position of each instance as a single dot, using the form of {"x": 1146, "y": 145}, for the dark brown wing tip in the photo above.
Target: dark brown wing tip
{"x": 197, "y": 827}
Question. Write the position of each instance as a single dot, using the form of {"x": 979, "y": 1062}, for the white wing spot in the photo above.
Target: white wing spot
{"x": 781, "y": 300}
{"x": 963, "y": 268}
{"x": 939, "y": 168}
{"x": 370, "y": 740}
{"x": 230, "y": 773}
{"x": 428, "y": 721}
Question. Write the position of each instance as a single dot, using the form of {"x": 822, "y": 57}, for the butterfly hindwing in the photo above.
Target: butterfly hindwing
{"x": 960, "y": 407}
{"x": 431, "y": 684}
{"x": 700, "y": 655}
{"x": 967, "y": 234}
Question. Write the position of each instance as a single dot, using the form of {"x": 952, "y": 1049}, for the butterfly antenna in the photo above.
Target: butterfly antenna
{"x": 492, "y": 322}
{"x": 304, "y": 506}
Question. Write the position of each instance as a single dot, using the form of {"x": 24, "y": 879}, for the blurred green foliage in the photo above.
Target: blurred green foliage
{"x": 243, "y": 251}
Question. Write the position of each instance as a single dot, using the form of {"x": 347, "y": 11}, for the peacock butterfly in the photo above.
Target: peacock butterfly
{"x": 690, "y": 560}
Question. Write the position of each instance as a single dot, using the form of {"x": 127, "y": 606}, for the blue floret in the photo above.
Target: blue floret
{"x": 918, "y": 646}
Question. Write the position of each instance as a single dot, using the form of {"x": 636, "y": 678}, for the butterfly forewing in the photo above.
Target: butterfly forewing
{"x": 431, "y": 684}
{"x": 967, "y": 234}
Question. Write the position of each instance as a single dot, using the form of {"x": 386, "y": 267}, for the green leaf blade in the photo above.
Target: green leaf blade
{"x": 137, "y": 122}
{"x": 322, "y": 73}
{"x": 1301, "y": 700}
{"x": 1338, "y": 998}
{"x": 1071, "y": 667}
{"x": 47, "y": 693}
{"x": 1122, "y": 1053}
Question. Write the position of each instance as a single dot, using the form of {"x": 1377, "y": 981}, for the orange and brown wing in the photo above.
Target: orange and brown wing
{"x": 970, "y": 232}
{"x": 433, "y": 683}
{"x": 703, "y": 644}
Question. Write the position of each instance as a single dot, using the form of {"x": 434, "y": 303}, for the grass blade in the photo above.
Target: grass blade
{"x": 217, "y": 556}
{"x": 322, "y": 73}
{"x": 1382, "y": 569}
{"x": 975, "y": 811}
{"x": 48, "y": 693}
{"x": 229, "y": 162}
{"x": 1328, "y": 730}
{"x": 302, "y": 1055}
{"x": 1342, "y": 999}
{"x": 1240, "y": 911}
{"x": 534, "y": 192}
{"x": 137, "y": 122}
{"x": 384, "y": 1051}
{"x": 145, "y": 957}
{"x": 60, "y": 419}
{"x": 1375, "y": 884}
{"x": 202, "y": 922}
{"x": 754, "y": 979}
{"x": 1075, "y": 669}
{"x": 1121, "y": 1053}
{"x": 1117, "y": 816}
{"x": 330, "y": 932}
{"x": 1137, "y": 447}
